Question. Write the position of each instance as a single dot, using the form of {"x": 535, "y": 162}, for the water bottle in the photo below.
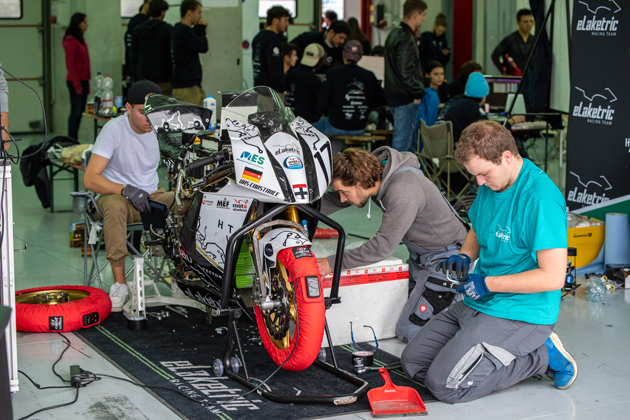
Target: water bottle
{"x": 211, "y": 104}
{"x": 108, "y": 95}
{"x": 98, "y": 92}
{"x": 596, "y": 290}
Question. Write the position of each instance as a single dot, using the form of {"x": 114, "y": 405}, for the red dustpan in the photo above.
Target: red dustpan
{"x": 395, "y": 401}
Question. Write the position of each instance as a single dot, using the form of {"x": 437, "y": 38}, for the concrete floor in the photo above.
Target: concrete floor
{"x": 596, "y": 334}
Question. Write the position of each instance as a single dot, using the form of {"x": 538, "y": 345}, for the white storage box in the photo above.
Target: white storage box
{"x": 373, "y": 295}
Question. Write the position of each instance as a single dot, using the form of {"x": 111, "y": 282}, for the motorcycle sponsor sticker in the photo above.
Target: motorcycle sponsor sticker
{"x": 55, "y": 323}
{"x": 300, "y": 191}
{"x": 293, "y": 162}
{"x": 239, "y": 205}
{"x": 252, "y": 158}
{"x": 223, "y": 204}
{"x": 257, "y": 187}
{"x": 301, "y": 252}
{"x": 252, "y": 175}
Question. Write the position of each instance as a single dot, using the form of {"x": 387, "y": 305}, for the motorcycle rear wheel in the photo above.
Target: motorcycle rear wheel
{"x": 307, "y": 312}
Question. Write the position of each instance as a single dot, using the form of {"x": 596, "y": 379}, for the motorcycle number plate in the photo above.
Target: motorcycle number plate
{"x": 312, "y": 286}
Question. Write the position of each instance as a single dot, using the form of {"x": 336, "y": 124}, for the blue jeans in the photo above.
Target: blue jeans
{"x": 405, "y": 127}
{"x": 77, "y": 106}
{"x": 328, "y": 130}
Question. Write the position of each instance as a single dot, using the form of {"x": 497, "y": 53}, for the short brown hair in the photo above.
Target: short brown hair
{"x": 412, "y": 6}
{"x": 440, "y": 20}
{"x": 356, "y": 166}
{"x": 188, "y": 5}
{"x": 468, "y": 67}
{"x": 486, "y": 139}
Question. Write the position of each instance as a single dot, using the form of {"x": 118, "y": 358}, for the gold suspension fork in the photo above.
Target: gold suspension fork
{"x": 292, "y": 214}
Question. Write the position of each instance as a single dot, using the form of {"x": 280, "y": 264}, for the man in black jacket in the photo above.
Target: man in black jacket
{"x": 151, "y": 48}
{"x": 518, "y": 45}
{"x": 189, "y": 39}
{"x": 403, "y": 75}
{"x": 141, "y": 17}
{"x": 332, "y": 40}
{"x": 267, "y": 50}
{"x": 303, "y": 84}
{"x": 348, "y": 94}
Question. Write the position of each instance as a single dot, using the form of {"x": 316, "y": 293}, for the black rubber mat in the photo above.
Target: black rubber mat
{"x": 178, "y": 352}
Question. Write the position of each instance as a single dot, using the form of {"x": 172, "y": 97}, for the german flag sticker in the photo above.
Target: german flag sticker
{"x": 252, "y": 175}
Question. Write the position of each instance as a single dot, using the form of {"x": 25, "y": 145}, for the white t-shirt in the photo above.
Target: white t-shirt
{"x": 133, "y": 158}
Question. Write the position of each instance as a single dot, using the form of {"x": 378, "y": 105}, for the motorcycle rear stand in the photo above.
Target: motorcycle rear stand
{"x": 245, "y": 380}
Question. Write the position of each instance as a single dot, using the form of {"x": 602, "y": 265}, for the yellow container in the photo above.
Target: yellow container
{"x": 588, "y": 241}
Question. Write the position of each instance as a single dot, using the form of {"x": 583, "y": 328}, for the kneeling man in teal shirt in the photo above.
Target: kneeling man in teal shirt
{"x": 502, "y": 332}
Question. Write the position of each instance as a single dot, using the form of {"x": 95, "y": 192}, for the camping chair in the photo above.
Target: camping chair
{"x": 437, "y": 157}
{"x": 85, "y": 203}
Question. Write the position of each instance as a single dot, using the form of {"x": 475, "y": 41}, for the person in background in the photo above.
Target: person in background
{"x": 123, "y": 171}
{"x": 141, "y": 17}
{"x": 430, "y": 104}
{"x": 433, "y": 44}
{"x": 303, "y": 85}
{"x": 503, "y": 330}
{"x": 330, "y": 16}
{"x": 403, "y": 75}
{"x": 78, "y": 66}
{"x": 267, "y": 60}
{"x": 348, "y": 95}
{"x": 289, "y": 56}
{"x": 4, "y": 109}
{"x": 151, "y": 57}
{"x": 332, "y": 40}
{"x": 188, "y": 40}
{"x": 458, "y": 84}
{"x": 357, "y": 34}
{"x": 378, "y": 51}
{"x": 518, "y": 45}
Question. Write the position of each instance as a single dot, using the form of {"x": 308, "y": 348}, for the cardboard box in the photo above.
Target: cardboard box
{"x": 588, "y": 241}
{"x": 373, "y": 295}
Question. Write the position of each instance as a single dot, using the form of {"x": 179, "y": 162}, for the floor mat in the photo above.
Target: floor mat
{"x": 178, "y": 352}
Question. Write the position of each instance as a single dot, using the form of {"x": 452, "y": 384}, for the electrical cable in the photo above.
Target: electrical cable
{"x": 76, "y": 397}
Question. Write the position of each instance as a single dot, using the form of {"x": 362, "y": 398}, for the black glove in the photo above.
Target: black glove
{"x": 458, "y": 264}
{"x": 139, "y": 198}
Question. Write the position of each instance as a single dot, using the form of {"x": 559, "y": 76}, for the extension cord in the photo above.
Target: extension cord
{"x": 75, "y": 375}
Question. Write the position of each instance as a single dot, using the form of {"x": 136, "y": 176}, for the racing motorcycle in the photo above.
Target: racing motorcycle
{"x": 247, "y": 211}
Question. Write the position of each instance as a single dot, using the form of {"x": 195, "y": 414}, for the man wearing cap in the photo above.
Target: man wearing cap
{"x": 267, "y": 50}
{"x": 303, "y": 84}
{"x": 123, "y": 171}
{"x": 348, "y": 95}
{"x": 332, "y": 40}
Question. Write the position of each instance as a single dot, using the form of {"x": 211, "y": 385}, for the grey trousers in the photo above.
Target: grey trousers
{"x": 462, "y": 354}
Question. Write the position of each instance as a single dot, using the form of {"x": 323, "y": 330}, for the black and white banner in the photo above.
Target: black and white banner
{"x": 598, "y": 137}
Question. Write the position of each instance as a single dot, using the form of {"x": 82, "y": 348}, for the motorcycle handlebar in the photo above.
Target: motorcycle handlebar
{"x": 220, "y": 157}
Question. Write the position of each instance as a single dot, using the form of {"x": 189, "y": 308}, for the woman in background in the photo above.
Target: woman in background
{"x": 78, "y": 66}
{"x": 433, "y": 45}
{"x": 357, "y": 34}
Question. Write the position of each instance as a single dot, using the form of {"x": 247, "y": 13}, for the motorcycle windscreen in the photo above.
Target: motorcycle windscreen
{"x": 212, "y": 219}
{"x": 169, "y": 118}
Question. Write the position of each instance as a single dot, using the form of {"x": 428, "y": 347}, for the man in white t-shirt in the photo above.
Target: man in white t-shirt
{"x": 123, "y": 170}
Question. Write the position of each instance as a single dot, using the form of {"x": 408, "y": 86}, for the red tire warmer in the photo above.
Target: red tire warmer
{"x": 63, "y": 317}
{"x": 311, "y": 312}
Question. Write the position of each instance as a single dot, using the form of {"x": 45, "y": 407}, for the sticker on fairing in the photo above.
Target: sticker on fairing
{"x": 301, "y": 252}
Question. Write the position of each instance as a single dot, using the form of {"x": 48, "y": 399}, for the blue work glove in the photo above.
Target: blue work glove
{"x": 139, "y": 198}
{"x": 458, "y": 264}
{"x": 474, "y": 286}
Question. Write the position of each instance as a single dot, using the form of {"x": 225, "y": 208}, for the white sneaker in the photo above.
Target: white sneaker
{"x": 118, "y": 294}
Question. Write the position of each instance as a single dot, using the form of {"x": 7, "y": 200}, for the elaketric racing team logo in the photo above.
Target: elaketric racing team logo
{"x": 503, "y": 234}
{"x": 596, "y": 114}
{"x": 599, "y": 17}
{"x": 589, "y": 192}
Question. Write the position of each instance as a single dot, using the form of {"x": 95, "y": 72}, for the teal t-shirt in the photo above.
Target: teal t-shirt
{"x": 511, "y": 226}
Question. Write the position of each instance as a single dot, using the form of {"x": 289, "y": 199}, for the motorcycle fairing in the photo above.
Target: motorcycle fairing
{"x": 288, "y": 160}
{"x": 317, "y": 154}
{"x": 278, "y": 239}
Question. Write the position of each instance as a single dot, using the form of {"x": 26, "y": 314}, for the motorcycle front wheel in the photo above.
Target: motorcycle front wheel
{"x": 297, "y": 324}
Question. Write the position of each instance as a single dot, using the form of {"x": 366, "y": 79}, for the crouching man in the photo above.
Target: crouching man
{"x": 502, "y": 332}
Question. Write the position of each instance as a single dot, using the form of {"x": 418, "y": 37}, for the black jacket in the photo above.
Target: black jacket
{"x": 462, "y": 111}
{"x": 267, "y": 61}
{"x": 303, "y": 86}
{"x": 187, "y": 44}
{"x": 133, "y": 23}
{"x": 515, "y": 47}
{"x": 403, "y": 72}
{"x": 349, "y": 93}
{"x": 151, "y": 51}
{"x": 431, "y": 47}
{"x": 334, "y": 56}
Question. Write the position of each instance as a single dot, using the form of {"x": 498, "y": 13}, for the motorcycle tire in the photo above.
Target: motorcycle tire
{"x": 310, "y": 313}
{"x": 60, "y": 308}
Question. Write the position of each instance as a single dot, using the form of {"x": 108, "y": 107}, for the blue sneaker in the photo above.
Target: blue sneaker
{"x": 562, "y": 366}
